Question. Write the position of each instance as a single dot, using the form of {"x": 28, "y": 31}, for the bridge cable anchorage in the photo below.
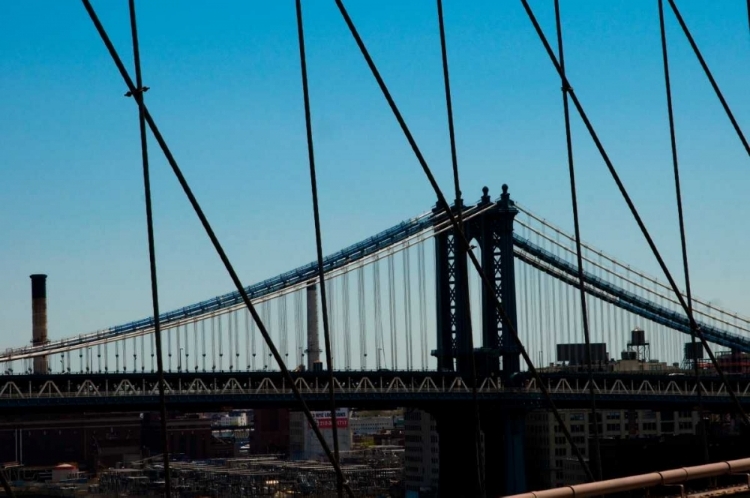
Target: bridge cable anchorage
{"x": 462, "y": 238}
{"x": 459, "y": 204}
{"x": 340, "y": 481}
{"x": 209, "y": 231}
{"x": 137, "y": 92}
{"x": 710, "y": 76}
{"x": 574, "y": 201}
{"x": 680, "y": 217}
{"x": 633, "y": 210}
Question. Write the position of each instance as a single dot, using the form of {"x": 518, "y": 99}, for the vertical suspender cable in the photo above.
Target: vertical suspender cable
{"x": 319, "y": 245}
{"x": 423, "y": 303}
{"x": 464, "y": 295}
{"x": 347, "y": 323}
{"x": 377, "y": 313}
{"x": 138, "y": 95}
{"x": 680, "y": 217}
{"x": 574, "y": 199}
{"x": 407, "y": 307}
{"x": 392, "y": 310}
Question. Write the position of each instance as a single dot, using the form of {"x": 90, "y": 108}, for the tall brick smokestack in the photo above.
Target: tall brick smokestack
{"x": 39, "y": 318}
{"x": 313, "y": 343}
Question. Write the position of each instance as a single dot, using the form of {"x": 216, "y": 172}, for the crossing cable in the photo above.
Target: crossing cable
{"x": 710, "y": 76}
{"x": 579, "y": 254}
{"x": 631, "y": 206}
{"x": 463, "y": 295}
{"x": 212, "y": 236}
{"x": 680, "y": 217}
{"x": 137, "y": 92}
{"x": 443, "y": 203}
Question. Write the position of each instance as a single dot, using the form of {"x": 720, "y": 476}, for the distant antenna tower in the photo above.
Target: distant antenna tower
{"x": 639, "y": 345}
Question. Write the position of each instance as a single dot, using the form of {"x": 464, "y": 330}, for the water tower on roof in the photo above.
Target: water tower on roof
{"x": 639, "y": 345}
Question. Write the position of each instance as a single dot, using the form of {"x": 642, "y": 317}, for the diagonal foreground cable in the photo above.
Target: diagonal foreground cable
{"x": 680, "y": 217}
{"x": 5, "y": 484}
{"x": 459, "y": 214}
{"x": 212, "y": 236}
{"x": 461, "y": 236}
{"x": 710, "y": 76}
{"x": 318, "y": 240}
{"x": 138, "y": 95}
{"x": 579, "y": 250}
{"x": 631, "y": 206}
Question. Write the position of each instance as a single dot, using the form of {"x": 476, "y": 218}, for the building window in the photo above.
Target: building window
{"x": 613, "y": 427}
{"x": 561, "y": 452}
{"x": 577, "y": 417}
{"x": 685, "y": 426}
{"x": 649, "y": 426}
{"x": 613, "y": 415}
{"x": 576, "y": 428}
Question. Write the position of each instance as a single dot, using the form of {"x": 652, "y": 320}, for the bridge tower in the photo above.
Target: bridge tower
{"x": 494, "y": 231}
{"x": 501, "y": 451}
{"x": 452, "y": 292}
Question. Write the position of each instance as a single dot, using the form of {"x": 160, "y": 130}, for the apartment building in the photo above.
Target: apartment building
{"x": 550, "y": 460}
{"x": 421, "y": 453}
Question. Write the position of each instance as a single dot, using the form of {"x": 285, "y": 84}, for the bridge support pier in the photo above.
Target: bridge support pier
{"x": 501, "y": 451}
{"x": 458, "y": 470}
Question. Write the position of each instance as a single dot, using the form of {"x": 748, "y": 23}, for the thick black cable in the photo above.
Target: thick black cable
{"x": 631, "y": 206}
{"x": 680, "y": 217}
{"x": 212, "y": 236}
{"x": 137, "y": 94}
{"x": 318, "y": 241}
{"x": 443, "y": 203}
{"x": 579, "y": 256}
{"x": 465, "y": 294}
{"x": 710, "y": 76}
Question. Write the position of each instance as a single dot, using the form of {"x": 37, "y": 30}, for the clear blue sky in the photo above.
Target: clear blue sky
{"x": 225, "y": 90}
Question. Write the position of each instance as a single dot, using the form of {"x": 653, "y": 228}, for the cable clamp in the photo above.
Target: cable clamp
{"x": 141, "y": 90}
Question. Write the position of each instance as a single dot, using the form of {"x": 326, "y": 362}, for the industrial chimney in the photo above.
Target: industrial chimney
{"x": 39, "y": 319}
{"x": 313, "y": 343}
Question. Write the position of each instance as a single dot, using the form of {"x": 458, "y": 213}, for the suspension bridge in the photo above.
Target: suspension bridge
{"x": 396, "y": 332}
{"x": 541, "y": 323}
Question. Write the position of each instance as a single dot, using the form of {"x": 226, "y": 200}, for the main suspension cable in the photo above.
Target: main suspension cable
{"x": 631, "y": 205}
{"x": 443, "y": 203}
{"x": 137, "y": 93}
{"x": 680, "y": 217}
{"x": 710, "y": 76}
{"x": 318, "y": 243}
{"x": 212, "y": 236}
{"x": 579, "y": 254}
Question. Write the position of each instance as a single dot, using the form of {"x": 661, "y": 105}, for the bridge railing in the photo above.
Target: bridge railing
{"x": 490, "y": 387}
{"x": 674, "y": 477}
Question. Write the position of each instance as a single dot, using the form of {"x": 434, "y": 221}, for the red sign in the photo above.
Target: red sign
{"x": 325, "y": 423}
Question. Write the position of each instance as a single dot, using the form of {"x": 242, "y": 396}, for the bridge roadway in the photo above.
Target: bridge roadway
{"x": 209, "y": 391}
